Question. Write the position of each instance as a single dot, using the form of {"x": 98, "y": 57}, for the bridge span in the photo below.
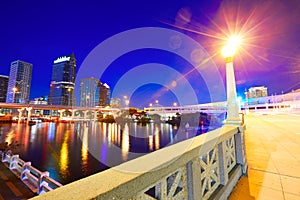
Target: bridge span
{"x": 74, "y": 112}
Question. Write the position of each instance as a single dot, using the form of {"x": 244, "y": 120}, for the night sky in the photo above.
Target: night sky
{"x": 40, "y": 31}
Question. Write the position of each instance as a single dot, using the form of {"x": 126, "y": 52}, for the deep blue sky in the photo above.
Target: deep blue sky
{"x": 40, "y": 31}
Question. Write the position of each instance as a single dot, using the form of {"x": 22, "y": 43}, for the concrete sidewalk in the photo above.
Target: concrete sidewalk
{"x": 273, "y": 153}
{"x": 12, "y": 187}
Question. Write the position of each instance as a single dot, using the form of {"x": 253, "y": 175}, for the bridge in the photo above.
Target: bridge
{"x": 75, "y": 112}
{"x": 221, "y": 107}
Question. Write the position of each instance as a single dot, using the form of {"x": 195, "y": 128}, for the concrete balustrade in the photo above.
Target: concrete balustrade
{"x": 39, "y": 182}
{"x": 207, "y": 166}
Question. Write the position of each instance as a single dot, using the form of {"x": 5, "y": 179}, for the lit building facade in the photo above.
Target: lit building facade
{"x": 94, "y": 93}
{"x": 256, "y": 92}
{"x": 89, "y": 92}
{"x": 19, "y": 82}
{"x": 115, "y": 102}
{"x": 63, "y": 81}
{"x": 104, "y": 95}
{"x": 3, "y": 88}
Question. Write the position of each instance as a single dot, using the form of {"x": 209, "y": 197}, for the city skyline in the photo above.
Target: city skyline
{"x": 271, "y": 56}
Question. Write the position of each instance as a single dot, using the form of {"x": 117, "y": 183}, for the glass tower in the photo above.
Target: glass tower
{"x": 19, "y": 82}
{"x": 89, "y": 92}
{"x": 63, "y": 81}
{"x": 93, "y": 93}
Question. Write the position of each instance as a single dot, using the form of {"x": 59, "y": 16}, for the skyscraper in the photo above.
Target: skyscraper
{"x": 94, "y": 93}
{"x": 63, "y": 81}
{"x": 89, "y": 92}
{"x": 104, "y": 95}
{"x": 3, "y": 87}
{"x": 19, "y": 82}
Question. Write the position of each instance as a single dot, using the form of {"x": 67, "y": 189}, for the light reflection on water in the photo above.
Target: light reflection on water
{"x": 73, "y": 151}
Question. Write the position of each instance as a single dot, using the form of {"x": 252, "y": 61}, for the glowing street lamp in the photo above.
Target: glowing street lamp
{"x": 150, "y": 104}
{"x": 156, "y": 101}
{"x": 232, "y": 103}
{"x": 175, "y": 104}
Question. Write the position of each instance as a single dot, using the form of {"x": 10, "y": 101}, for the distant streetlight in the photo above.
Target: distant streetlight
{"x": 175, "y": 104}
{"x": 156, "y": 101}
{"x": 150, "y": 104}
{"x": 14, "y": 93}
{"x": 232, "y": 103}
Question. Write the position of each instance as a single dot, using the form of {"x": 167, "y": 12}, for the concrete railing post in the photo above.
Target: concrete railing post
{"x": 41, "y": 182}
{"x": 241, "y": 150}
{"x": 13, "y": 161}
{"x": 25, "y": 170}
{"x": 222, "y": 163}
{"x": 194, "y": 175}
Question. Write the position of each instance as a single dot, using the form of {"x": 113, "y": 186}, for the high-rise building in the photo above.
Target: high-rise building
{"x": 19, "y": 82}
{"x": 89, "y": 92}
{"x": 104, "y": 95}
{"x": 63, "y": 81}
{"x": 256, "y": 92}
{"x": 3, "y": 87}
{"x": 94, "y": 93}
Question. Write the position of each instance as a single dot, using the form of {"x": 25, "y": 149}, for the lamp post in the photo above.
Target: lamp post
{"x": 232, "y": 103}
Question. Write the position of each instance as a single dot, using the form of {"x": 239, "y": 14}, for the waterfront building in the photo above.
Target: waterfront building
{"x": 89, "y": 92}
{"x": 19, "y": 82}
{"x": 256, "y": 92}
{"x": 115, "y": 102}
{"x": 63, "y": 81}
{"x": 3, "y": 88}
{"x": 94, "y": 93}
{"x": 104, "y": 95}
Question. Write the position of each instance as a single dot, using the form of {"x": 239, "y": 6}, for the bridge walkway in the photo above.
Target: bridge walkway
{"x": 11, "y": 187}
{"x": 273, "y": 153}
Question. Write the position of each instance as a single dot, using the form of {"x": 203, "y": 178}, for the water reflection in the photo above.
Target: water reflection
{"x": 125, "y": 142}
{"x": 72, "y": 151}
{"x": 64, "y": 155}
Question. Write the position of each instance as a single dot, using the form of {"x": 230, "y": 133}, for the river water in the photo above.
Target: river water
{"x": 72, "y": 151}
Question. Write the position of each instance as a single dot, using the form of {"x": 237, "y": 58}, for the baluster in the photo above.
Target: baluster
{"x": 41, "y": 182}
{"x": 222, "y": 163}
{"x": 25, "y": 170}
{"x": 194, "y": 174}
{"x": 240, "y": 150}
{"x": 13, "y": 161}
